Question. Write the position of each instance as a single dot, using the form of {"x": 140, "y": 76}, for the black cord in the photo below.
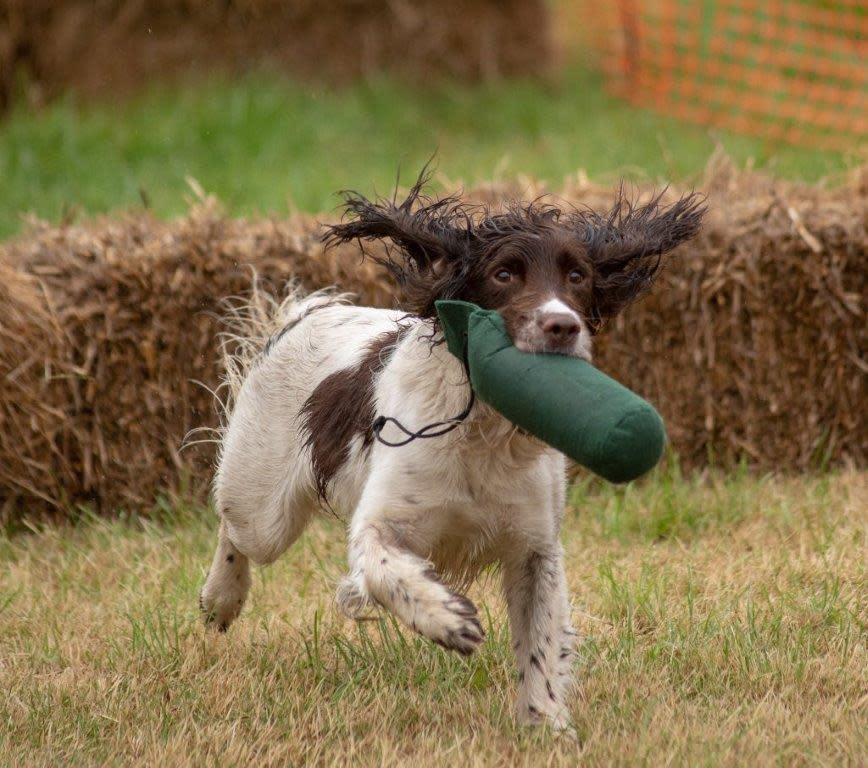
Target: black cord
{"x": 447, "y": 426}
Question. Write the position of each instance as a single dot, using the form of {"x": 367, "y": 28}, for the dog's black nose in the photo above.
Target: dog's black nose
{"x": 560, "y": 328}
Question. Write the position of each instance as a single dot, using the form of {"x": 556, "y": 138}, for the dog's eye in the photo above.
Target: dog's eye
{"x": 575, "y": 276}
{"x": 503, "y": 275}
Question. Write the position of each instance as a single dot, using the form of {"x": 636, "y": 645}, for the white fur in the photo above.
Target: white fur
{"x": 531, "y": 337}
{"x": 484, "y": 493}
{"x": 555, "y": 306}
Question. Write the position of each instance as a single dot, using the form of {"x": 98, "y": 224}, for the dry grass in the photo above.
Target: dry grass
{"x": 724, "y": 624}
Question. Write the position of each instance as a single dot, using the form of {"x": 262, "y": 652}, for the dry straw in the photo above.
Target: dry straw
{"x": 752, "y": 344}
{"x": 50, "y": 46}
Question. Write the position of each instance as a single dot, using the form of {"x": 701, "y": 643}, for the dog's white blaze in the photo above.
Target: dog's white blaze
{"x": 557, "y": 307}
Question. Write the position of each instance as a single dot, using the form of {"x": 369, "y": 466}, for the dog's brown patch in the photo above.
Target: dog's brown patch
{"x": 341, "y": 406}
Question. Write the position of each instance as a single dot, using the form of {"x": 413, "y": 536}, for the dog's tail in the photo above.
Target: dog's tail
{"x": 253, "y": 323}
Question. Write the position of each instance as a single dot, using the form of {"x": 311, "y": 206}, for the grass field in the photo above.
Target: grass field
{"x": 723, "y": 622}
{"x": 264, "y": 143}
{"x": 723, "y": 617}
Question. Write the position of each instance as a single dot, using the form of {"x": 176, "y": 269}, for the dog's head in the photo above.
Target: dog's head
{"x": 555, "y": 275}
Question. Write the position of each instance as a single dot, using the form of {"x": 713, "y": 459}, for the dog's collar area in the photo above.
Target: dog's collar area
{"x": 437, "y": 429}
{"x": 441, "y": 427}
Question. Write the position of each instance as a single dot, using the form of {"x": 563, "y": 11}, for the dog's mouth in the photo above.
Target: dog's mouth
{"x": 580, "y": 346}
{"x": 553, "y": 328}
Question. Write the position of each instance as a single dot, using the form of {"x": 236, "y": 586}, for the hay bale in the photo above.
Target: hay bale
{"x": 752, "y": 344}
{"x": 76, "y": 44}
{"x": 114, "y": 323}
{"x": 32, "y": 460}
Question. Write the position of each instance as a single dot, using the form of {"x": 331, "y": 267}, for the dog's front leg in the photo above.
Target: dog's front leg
{"x": 385, "y": 569}
{"x": 543, "y": 639}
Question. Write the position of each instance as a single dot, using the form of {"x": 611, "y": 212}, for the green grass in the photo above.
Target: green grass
{"x": 264, "y": 142}
{"x": 723, "y": 622}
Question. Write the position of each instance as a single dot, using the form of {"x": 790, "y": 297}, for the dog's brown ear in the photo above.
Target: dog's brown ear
{"x": 627, "y": 246}
{"x": 425, "y": 231}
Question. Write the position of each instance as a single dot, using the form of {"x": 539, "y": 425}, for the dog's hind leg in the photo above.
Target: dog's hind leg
{"x": 226, "y": 587}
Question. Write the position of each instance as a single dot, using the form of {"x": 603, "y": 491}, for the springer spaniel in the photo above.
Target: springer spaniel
{"x": 423, "y": 519}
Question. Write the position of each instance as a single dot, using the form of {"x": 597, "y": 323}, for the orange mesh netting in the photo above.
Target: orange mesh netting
{"x": 787, "y": 70}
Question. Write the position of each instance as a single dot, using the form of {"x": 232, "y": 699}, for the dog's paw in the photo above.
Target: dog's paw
{"x": 454, "y": 624}
{"x": 424, "y": 603}
{"x": 219, "y": 611}
{"x": 556, "y": 718}
{"x": 351, "y": 600}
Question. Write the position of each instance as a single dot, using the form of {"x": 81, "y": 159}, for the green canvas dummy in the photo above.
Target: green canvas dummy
{"x": 564, "y": 401}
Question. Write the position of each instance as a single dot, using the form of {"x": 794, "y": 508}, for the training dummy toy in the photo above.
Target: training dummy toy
{"x": 564, "y": 401}
{"x": 539, "y": 281}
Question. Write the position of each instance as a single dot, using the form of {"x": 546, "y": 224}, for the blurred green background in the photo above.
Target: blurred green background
{"x": 263, "y": 143}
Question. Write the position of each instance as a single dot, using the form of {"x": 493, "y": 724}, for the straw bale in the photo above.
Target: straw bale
{"x": 76, "y": 44}
{"x": 114, "y": 324}
{"x": 32, "y": 463}
{"x": 752, "y": 344}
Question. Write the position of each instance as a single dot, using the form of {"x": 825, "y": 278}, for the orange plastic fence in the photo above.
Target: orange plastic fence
{"x": 789, "y": 70}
